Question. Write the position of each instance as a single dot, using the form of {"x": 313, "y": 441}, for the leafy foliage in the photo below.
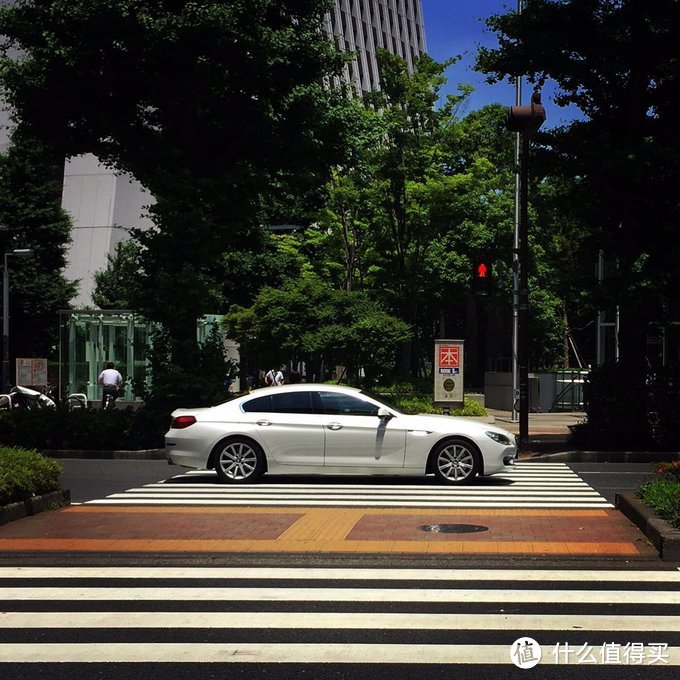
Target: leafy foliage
{"x": 85, "y": 429}
{"x": 26, "y": 473}
{"x": 423, "y": 404}
{"x": 663, "y": 493}
{"x": 618, "y": 166}
{"x": 30, "y": 207}
{"x": 116, "y": 286}
{"x": 214, "y": 107}
{"x": 642, "y": 414}
{"x": 308, "y": 320}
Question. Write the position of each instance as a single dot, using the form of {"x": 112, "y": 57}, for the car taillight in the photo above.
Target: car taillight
{"x": 180, "y": 422}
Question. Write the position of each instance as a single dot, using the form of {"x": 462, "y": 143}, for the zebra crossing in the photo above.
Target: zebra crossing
{"x": 338, "y": 616}
{"x": 529, "y": 485}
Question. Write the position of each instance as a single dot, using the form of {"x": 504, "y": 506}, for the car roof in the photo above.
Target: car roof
{"x": 301, "y": 387}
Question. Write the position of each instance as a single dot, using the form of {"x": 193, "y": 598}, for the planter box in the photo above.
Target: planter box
{"x": 665, "y": 538}
{"x": 32, "y": 506}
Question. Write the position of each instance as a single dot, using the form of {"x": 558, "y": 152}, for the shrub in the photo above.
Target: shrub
{"x": 85, "y": 428}
{"x": 25, "y": 473}
{"x": 423, "y": 404}
{"x": 630, "y": 407}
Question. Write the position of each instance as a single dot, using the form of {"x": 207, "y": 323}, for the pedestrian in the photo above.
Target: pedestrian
{"x": 274, "y": 377}
{"x": 111, "y": 381}
{"x": 294, "y": 376}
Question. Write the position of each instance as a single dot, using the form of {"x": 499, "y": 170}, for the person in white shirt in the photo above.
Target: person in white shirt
{"x": 274, "y": 377}
{"x": 111, "y": 381}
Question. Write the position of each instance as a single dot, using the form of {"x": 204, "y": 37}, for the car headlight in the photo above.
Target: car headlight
{"x": 498, "y": 437}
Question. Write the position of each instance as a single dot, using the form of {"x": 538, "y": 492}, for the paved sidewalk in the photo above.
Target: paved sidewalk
{"x": 294, "y": 530}
{"x": 540, "y": 423}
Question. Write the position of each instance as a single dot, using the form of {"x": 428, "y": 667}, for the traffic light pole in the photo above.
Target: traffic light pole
{"x": 523, "y": 294}
{"x": 525, "y": 120}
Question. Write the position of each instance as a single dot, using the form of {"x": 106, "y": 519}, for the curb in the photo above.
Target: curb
{"x": 142, "y": 454}
{"x": 665, "y": 538}
{"x": 601, "y": 456}
{"x": 34, "y": 505}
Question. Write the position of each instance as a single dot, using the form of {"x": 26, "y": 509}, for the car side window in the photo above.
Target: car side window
{"x": 292, "y": 402}
{"x": 258, "y": 405}
{"x": 335, "y": 403}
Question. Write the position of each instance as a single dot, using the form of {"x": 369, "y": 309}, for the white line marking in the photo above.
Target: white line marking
{"x": 338, "y": 573}
{"x": 433, "y": 595}
{"x": 117, "y": 652}
{"x": 505, "y": 503}
{"x": 338, "y": 620}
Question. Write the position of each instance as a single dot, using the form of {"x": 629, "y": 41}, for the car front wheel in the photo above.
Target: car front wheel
{"x": 455, "y": 461}
{"x": 239, "y": 461}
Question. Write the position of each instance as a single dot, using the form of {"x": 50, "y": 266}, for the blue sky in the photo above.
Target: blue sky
{"x": 456, "y": 27}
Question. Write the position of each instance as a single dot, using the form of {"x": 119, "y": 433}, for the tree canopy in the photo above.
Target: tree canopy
{"x": 617, "y": 61}
{"x": 212, "y": 106}
{"x": 30, "y": 208}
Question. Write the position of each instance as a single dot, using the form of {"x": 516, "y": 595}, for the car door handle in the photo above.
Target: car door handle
{"x": 264, "y": 423}
{"x": 334, "y": 426}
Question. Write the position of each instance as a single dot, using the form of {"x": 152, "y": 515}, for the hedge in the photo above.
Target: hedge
{"x": 25, "y": 473}
{"x": 89, "y": 429}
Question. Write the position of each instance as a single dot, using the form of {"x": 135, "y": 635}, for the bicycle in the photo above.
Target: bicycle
{"x": 109, "y": 402}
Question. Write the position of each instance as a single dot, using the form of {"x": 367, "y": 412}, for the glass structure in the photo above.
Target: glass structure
{"x": 89, "y": 339}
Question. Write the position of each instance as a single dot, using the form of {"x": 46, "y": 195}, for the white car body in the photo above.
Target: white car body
{"x": 334, "y": 438}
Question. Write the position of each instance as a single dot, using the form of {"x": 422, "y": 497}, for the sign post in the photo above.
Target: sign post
{"x": 448, "y": 374}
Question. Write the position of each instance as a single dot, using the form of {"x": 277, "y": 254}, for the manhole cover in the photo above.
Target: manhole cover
{"x": 453, "y": 528}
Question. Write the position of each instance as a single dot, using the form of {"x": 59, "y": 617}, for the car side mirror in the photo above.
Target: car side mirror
{"x": 384, "y": 413}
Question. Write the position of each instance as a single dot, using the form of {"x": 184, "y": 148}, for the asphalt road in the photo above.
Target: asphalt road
{"x": 108, "y": 623}
{"x": 91, "y": 479}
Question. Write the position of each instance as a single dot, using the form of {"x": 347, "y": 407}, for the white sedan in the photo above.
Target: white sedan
{"x": 325, "y": 429}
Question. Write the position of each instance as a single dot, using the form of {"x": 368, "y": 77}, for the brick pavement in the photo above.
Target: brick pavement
{"x": 87, "y": 529}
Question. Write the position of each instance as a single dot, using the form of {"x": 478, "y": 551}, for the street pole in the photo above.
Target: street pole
{"x": 5, "y": 327}
{"x": 524, "y": 120}
{"x": 514, "y": 412}
{"x": 19, "y": 252}
{"x": 523, "y": 296}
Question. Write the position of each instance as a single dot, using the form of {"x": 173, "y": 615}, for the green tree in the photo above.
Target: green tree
{"x": 617, "y": 62}
{"x": 30, "y": 208}
{"x": 210, "y": 105}
{"x": 116, "y": 286}
{"x": 308, "y": 320}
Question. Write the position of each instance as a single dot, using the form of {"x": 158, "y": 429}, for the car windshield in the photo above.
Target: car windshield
{"x": 382, "y": 400}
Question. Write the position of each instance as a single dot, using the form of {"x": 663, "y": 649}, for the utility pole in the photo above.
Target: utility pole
{"x": 525, "y": 120}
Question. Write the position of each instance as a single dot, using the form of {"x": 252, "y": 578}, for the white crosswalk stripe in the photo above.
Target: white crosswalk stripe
{"x": 337, "y": 616}
{"x": 532, "y": 485}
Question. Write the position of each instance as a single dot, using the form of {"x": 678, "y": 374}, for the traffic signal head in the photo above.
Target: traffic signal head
{"x": 526, "y": 119}
{"x": 482, "y": 271}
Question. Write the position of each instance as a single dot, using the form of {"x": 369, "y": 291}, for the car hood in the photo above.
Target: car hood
{"x": 438, "y": 423}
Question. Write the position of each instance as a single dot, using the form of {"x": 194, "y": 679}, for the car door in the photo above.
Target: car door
{"x": 291, "y": 431}
{"x": 356, "y": 437}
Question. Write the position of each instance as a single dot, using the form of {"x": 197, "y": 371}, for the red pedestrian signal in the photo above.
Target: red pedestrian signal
{"x": 481, "y": 277}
